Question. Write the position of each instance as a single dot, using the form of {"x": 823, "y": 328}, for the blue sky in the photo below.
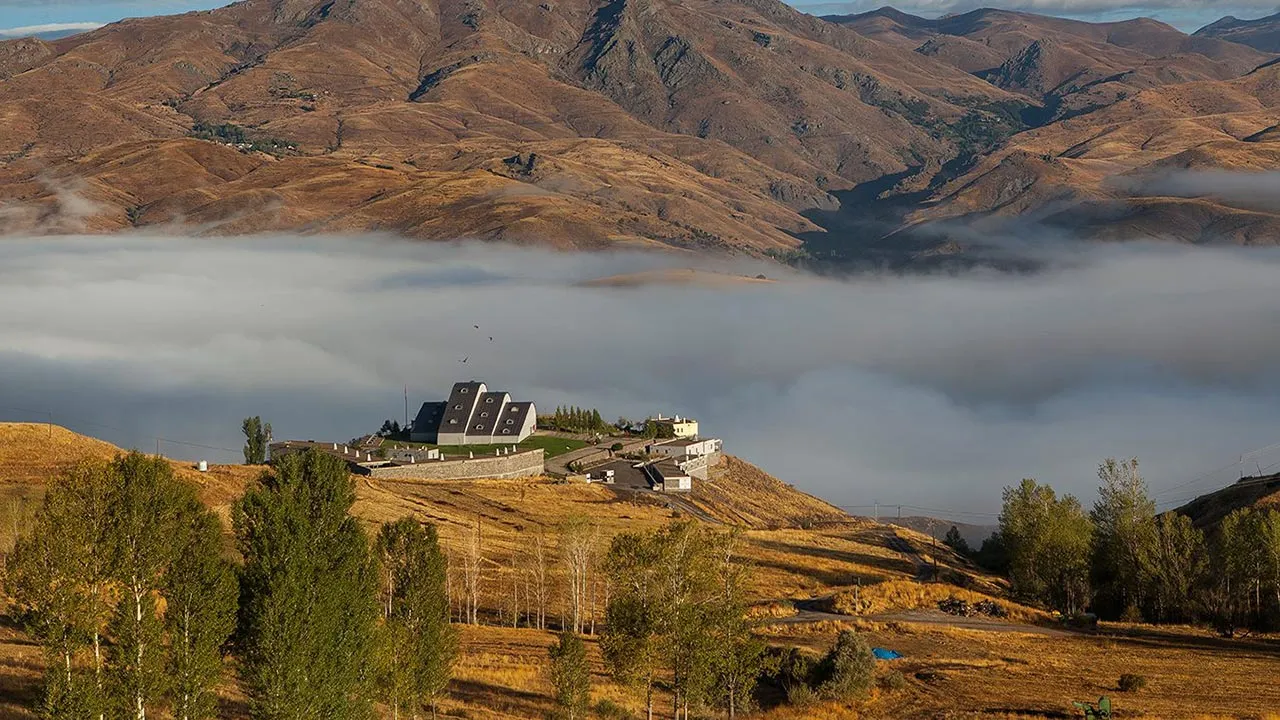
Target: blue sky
{"x": 1185, "y": 14}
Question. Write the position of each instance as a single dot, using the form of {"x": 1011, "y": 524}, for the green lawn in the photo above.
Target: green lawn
{"x": 552, "y": 446}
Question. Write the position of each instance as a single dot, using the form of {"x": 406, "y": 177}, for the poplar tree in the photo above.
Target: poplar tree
{"x": 200, "y": 593}
{"x": 419, "y": 645}
{"x": 1124, "y": 538}
{"x": 1179, "y": 563}
{"x": 1047, "y": 539}
{"x": 571, "y": 675}
{"x": 308, "y": 603}
{"x": 257, "y": 438}
{"x": 633, "y": 617}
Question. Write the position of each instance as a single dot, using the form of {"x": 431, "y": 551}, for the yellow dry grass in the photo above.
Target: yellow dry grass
{"x": 33, "y": 453}
{"x": 906, "y": 594}
{"x": 950, "y": 672}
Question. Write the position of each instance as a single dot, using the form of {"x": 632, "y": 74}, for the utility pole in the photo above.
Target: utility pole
{"x": 406, "y": 408}
{"x": 877, "y": 510}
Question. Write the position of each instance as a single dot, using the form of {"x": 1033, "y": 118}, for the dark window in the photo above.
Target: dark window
{"x": 510, "y": 421}
{"x": 506, "y": 431}
{"x": 484, "y": 414}
{"x": 488, "y": 400}
{"x": 457, "y": 407}
{"x": 479, "y": 427}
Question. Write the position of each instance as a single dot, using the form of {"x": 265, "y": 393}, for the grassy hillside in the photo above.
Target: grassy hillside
{"x": 1013, "y": 668}
{"x": 1209, "y": 509}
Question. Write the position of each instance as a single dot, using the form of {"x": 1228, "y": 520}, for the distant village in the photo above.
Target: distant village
{"x": 481, "y": 433}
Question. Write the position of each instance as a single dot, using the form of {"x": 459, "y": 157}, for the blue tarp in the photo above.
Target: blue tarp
{"x": 883, "y": 654}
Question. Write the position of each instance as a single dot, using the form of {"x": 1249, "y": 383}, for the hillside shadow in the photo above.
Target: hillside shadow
{"x": 519, "y": 703}
{"x": 893, "y": 565}
{"x": 1157, "y": 637}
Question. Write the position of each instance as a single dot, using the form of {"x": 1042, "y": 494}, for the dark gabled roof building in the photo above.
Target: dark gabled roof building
{"x": 474, "y": 416}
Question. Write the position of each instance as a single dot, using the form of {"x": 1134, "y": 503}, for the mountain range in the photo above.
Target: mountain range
{"x": 743, "y": 126}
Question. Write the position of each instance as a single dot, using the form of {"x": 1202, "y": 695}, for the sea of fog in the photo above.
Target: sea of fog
{"x": 933, "y": 391}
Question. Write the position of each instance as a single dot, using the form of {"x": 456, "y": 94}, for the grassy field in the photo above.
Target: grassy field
{"x": 1017, "y": 669}
{"x": 551, "y": 446}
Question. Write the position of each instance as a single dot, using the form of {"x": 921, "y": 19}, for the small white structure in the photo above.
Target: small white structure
{"x": 686, "y": 447}
{"x": 203, "y": 466}
{"x": 668, "y": 476}
{"x": 680, "y": 427}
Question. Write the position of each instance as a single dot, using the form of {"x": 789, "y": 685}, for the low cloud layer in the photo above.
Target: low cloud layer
{"x": 933, "y": 391}
{"x": 1248, "y": 190}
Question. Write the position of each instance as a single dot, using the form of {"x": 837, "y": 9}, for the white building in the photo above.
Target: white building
{"x": 668, "y": 476}
{"x": 688, "y": 447}
{"x": 680, "y": 427}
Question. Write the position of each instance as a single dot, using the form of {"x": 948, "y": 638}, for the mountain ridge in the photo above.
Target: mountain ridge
{"x": 687, "y": 125}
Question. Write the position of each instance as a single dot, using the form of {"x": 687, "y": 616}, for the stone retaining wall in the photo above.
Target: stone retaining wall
{"x": 523, "y": 464}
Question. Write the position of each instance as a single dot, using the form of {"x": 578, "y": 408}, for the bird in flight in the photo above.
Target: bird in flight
{"x": 476, "y": 327}
{"x": 464, "y": 359}
{"x": 490, "y": 338}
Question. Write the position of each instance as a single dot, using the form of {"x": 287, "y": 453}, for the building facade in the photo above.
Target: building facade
{"x": 473, "y": 415}
{"x": 680, "y": 427}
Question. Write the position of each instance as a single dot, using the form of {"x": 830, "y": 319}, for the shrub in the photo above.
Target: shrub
{"x": 846, "y": 673}
{"x": 607, "y": 708}
{"x": 1130, "y": 682}
{"x": 801, "y": 696}
{"x": 893, "y": 680}
{"x": 570, "y": 675}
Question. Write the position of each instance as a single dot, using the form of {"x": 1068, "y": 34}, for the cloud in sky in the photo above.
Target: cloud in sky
{"x": 928, "y": 390}
{"x": 1188, "y": 15}
{"x": 66, "y": 28}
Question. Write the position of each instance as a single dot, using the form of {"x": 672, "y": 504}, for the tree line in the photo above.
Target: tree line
{"x": 126, "y": 582}
{"x": 676, "y": 624}
{"x": 1123, "y": 560}
{"x": 574, "y": 419}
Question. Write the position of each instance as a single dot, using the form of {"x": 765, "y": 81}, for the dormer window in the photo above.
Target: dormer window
{"x": 488, "y": 400}
{"x": 464, "y": 390}
{"x": 484, "y": 414}
{"x": 453, "y": 422}
{"x": 479, "y": 427}
{"x": 510, "y": 421}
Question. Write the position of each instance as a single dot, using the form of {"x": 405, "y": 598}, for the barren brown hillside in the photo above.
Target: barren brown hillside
{"x": 687, "y": 124}
{"x": 703, "y": 125}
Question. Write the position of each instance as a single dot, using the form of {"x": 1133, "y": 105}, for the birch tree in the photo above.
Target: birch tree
{"x": 538, "y": 573}
{"x": 149, "y": 508}
{"x": 578, "y": 537}
{"x": 472, "y": 569}
{"x": 59, "y": 579}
